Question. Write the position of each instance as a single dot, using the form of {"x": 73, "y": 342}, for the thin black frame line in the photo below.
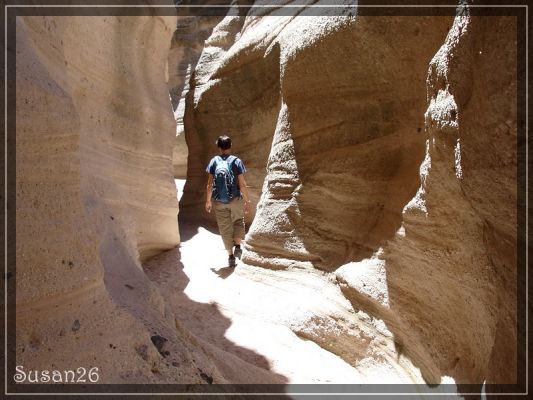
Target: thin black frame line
{"x": 268, "y": 6}
{"x": 460, "y": 6}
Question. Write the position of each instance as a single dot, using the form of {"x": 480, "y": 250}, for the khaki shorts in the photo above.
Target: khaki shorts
{"x": 230, "y": 220}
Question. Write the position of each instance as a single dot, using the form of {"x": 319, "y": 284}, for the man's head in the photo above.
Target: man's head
{"x": 224, "y": 143}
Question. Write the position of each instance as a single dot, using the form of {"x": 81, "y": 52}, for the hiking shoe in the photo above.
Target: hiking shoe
{"x": 237, "y": 252}
{"x": 231, "y": 260}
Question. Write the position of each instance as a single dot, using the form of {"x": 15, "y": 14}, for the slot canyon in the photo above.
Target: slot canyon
{"x": 381, "y": 155}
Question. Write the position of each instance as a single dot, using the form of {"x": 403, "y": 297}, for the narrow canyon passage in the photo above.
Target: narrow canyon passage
{"x": 266, "y": 326}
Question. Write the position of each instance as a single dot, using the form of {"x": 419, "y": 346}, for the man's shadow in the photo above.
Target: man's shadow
{"x": 189, "y": 227}
{"x": 223, "y": 272}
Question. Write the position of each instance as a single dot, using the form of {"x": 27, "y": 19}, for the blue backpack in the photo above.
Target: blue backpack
{"x": 224, "y": 185}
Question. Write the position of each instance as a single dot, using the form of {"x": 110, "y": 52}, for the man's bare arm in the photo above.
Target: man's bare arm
{"x": 244, "y": 188}
{"x": 208, "y": 204}
{"x": 245, "y": 192}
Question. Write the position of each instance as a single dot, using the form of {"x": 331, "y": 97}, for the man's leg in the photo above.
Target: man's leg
{"x": 225, "y": 224}
{"x": 237, "y": 216}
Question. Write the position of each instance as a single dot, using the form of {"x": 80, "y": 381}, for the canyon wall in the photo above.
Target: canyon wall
{"x": 450, "y": 270}
{"x": 390, "y": 153}
{"x": 186, "y": 46}
{"x": 95, "y": 197}
{"x": 234, "y": 91}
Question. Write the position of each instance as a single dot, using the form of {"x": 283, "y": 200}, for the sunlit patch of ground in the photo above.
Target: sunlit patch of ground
{"x": 180, "y": 183}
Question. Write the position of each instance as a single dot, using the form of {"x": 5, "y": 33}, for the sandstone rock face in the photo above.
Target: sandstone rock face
{"x": 345, "y": 150}
{"x": 450, "y": 270}
{"x": 185, "y": 50}
{"x": 459, "y": 231}
{"x": 234, "y": 91}
{"x": 95, "y": 197}
{"x": 390, "y": 153}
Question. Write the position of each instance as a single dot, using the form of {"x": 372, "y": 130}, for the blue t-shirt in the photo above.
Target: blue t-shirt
{"x": 237, "y": 167}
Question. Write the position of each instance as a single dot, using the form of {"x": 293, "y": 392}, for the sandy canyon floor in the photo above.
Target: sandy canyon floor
{"x": 241, "y": 319}
{"x": 251, "y": 320}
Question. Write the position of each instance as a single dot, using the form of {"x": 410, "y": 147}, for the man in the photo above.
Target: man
{"x": 227, "y": 187}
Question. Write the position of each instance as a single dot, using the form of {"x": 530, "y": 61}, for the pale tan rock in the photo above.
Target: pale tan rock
{"x": 230, "y": 96}
{"x": 455, "y": 254}
{"x": 185, "y": 49}
{"x": 95, "y": 197}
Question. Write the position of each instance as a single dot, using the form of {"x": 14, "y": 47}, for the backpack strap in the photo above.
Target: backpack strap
{"x": 230, "y": 160}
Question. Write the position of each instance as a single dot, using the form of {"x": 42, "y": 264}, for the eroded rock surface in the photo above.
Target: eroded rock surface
{"x": 232, "y": 92}
{"x": 95, "y": 197}
{"x": 451, "y": 269}
{"x": 187, "y": 44}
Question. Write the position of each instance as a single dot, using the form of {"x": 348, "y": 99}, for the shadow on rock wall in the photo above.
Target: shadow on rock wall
{"x": 356, "y": 102}
{"x": 452, "y": 277}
